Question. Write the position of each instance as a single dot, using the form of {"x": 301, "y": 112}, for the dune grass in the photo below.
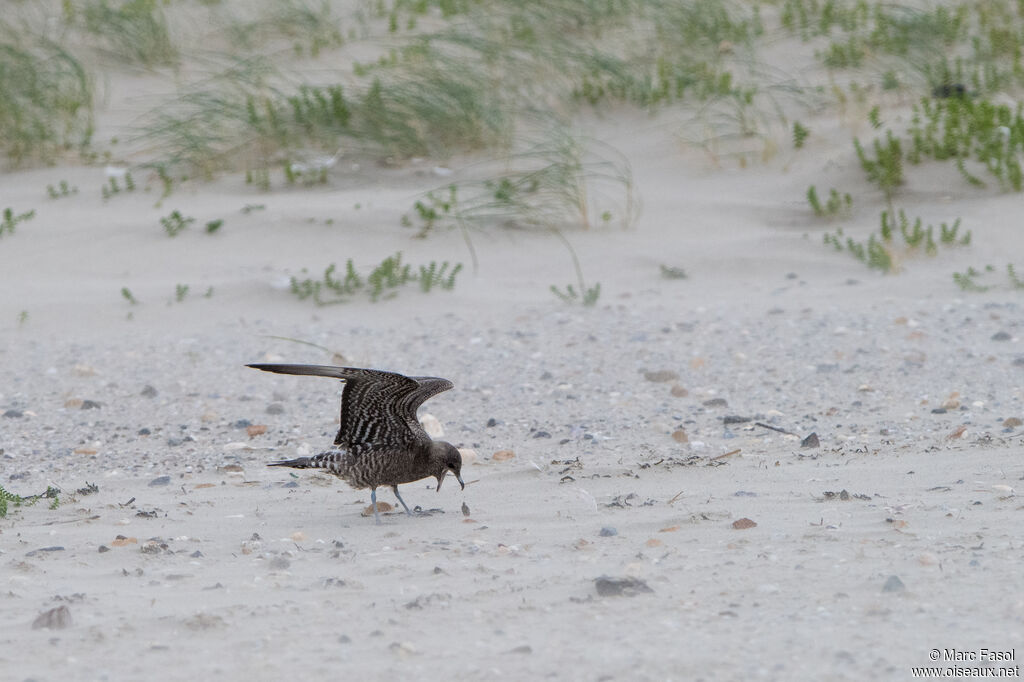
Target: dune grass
{"x": 131, "y": 31}
{"x": 311, "y": 26}
{"x": 46, "y": 97}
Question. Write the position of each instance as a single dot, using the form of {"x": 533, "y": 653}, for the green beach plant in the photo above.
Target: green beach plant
{"x": 382, "y": 282}
{"x": 175, "y": 222}
{"x": 11, "y": 220}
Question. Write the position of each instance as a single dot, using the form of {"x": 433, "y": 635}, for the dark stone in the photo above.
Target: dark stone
{"x": 160, "y": 480}
{"x": 542, "y": 434}
{"x": 148, "y": 391}
{"x": 620, "y": 587}
{"x": 608, "y": 532}
{"x": 811, "y": 441}
{"x": 1001, "y": 336}
{"x": 734, "y": 419}
{"x": 492, "y": 422}
{"x": 716, "y": 402}
{"x": 14, "y": 414}
{"x": 275, "y": 408}
{"x": 893, "y": 584}
{"x": 242, "y": 423}
{"x": 90, "y": 405}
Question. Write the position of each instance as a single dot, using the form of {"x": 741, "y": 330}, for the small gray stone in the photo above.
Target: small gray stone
{"x": 608, "y": 532}
{"x": 14, "y": 414}
{"x": 90, "y": 405}
{"x": 811, "y": 441}
{"x": 279, "y": 563}
{"x": 148, "y": 391}
{"x": 160, "y": 480}
{"x": 275, "y": 408}
{"x": 716, "y": 402}
{"x": 542, "y": 434}
{"x": 893, "y": 584}
{"x": 734, "y": 419}
{"x": 620, "y": 587}
{"x": 661, "y": 376}
{"x": 1001, "y": 336}
{"x": 55, "y": 619}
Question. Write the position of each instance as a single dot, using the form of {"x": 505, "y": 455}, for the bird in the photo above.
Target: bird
{"x": 380, "y": 441}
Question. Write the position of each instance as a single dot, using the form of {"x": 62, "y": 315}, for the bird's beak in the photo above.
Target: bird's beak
{"x": 440, "y": 481}
{"x": 461, "y": 482}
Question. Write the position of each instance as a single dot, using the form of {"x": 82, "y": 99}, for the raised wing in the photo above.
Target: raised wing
{"x": 376, "y": 406}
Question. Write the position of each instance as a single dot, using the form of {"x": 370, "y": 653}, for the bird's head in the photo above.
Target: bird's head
{"x": 444, "y": 457}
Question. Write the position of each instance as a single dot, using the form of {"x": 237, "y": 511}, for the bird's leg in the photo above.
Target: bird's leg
{"x": 373, "y": 498}
{"x": 395, "y": 488}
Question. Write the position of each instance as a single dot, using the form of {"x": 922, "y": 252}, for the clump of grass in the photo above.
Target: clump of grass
{"x": 560, "y": 182}
{"x": 800, "y": 134}
{"x": 883, "y": 251}
{"x": 311, "y": 25}
{"x": 585, "y": 295}
{"x": 968, "y": 280}
{"x": 963, "y": 129}
{"x": 180, "y": 292}
{"x": 8, "y": 498}
{"x": 127, "y": 295}
{"x": 133, "y": 31}
{"x": 46, "y": 106}
{"x": 834, "y": 206}
{"x": 175, "y": 222}
{"x": 885, "y": 166}
{"x": 63, "y": 189}
{"x": 11, "y": 220}
{"x": 214, "y": 225}
{"x": 113, "y": 187}
{"x": 382, "y": 282}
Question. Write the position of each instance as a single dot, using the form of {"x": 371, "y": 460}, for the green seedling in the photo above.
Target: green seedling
{"x": 11, "y": 220}
{"x": 127, "y": 295}
{"x": 835, "y": 205}
{"x": 175, "y": 223}
{"x": 61, "y": 190}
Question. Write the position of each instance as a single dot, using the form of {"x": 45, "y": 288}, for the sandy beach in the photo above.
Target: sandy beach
{"x": 785, "y": 465}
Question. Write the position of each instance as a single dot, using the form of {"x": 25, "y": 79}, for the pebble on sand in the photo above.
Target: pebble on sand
{"x": 620, "y": 587}
{"x": 256, "y": 430}
{"x": 469, "y": 456}
{"x": 893, "y": 584}
{"x": 743, "y": 524}
{"x": 382, "y": 507}
{"x": 160, "y": 480}
{"x": 679, "y": 436}
{"x": 679, "y": 391}
{"x": 55, "y": 619}
{"x": 811, "y": 441}
{"x": 503, "y": 455}
{"x": 661, "y": 376}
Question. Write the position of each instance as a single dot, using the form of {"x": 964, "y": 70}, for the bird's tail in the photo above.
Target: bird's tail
{"x": 297, "y": 463}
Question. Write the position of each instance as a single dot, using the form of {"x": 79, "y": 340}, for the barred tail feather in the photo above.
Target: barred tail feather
{"x": 298, "y": 463}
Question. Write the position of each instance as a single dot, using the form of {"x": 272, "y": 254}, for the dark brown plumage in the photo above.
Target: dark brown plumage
{"x": 380, "y": 441}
